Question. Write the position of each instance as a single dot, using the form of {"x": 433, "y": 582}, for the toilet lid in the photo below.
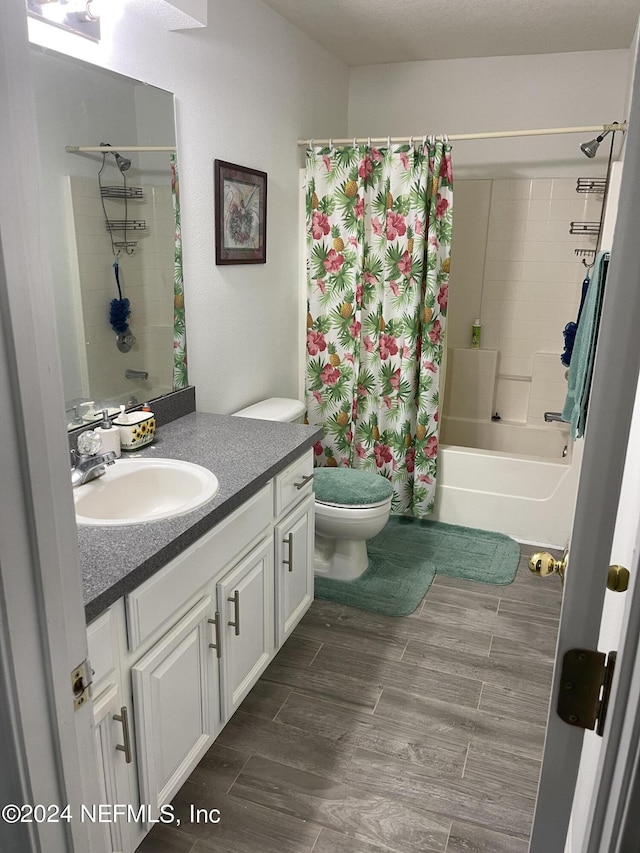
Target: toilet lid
{"x": 350, "y": 487}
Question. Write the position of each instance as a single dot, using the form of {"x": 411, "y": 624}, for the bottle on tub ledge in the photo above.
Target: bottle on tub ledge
{"x": 475, "y": 334}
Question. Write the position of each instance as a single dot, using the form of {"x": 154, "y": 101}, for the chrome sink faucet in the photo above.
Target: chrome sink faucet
{"x": 87, "y": 462}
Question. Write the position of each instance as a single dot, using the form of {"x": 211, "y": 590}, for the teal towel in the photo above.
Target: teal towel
{"x": 584, "y": 349}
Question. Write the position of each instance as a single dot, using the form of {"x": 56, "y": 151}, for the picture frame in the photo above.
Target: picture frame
{"x": 241, "y": 214}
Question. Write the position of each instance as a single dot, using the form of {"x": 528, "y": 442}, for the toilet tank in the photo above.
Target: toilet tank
{"x": 283, "y": 409}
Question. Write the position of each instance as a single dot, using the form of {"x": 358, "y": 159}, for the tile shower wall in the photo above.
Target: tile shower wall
{"x": 146, "y": 277}
{"x": 531, "y": 288}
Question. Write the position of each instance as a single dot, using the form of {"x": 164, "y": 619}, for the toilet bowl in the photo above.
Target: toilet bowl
{"x": 351, "y": 506}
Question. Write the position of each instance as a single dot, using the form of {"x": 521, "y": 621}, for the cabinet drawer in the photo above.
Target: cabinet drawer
{"x": 156, "y": 602}
{"x": 294, "y": 483}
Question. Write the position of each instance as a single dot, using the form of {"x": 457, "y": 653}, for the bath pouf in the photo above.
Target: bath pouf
{"x": 350, "y": 487}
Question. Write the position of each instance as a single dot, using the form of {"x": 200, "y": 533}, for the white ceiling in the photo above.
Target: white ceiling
{"x": 369, "y": 32}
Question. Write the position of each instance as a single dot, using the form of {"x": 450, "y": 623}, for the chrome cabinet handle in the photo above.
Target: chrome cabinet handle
{"x": 289, "y": 541}
{"x": 236, "y": 606}
{"x": 217, "y": 645}
{"x": 304, "y": 481}
{"x": 123, "y": 717}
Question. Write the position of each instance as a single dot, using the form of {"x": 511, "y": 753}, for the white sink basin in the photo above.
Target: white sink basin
{"x": 135, "y": 491}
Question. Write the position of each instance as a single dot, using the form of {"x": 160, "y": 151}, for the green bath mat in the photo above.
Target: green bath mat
{"x": 406, "y": 555}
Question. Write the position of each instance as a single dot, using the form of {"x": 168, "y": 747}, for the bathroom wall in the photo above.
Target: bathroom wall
{"x": 247, "y": 87}
{"x": 495, "y": 93}
{"x": 524, "y": 283}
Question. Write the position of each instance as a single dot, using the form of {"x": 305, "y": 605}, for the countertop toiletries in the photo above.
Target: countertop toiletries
{"x": 109, "y": 434}
{"x": 137, "y": 429}
{"x": 475, "y": 334}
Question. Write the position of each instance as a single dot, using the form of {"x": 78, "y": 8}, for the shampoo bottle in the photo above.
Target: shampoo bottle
{"x": 109, "y": 434}
{"x": 475, "y": 334}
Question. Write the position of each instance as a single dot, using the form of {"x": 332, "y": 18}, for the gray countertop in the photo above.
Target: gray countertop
{"x": 244, "y": 454}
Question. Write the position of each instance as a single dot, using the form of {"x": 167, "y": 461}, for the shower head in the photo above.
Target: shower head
{"x": 121, "y": 162}
{"x": 590, "y": 149}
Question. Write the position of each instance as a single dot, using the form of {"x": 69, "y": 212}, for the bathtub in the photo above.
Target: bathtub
{"x": 527, "y": 495}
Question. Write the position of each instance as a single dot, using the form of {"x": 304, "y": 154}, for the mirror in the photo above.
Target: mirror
{"x": 111, "y": 229}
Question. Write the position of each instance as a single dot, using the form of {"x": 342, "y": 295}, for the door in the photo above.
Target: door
{"x": 611, "y": 404}
{"x": 294, "y": 538}
{"x": 176, "y": 695}
{"x": 245, "y": 603}
{"x": 47, "y": 748}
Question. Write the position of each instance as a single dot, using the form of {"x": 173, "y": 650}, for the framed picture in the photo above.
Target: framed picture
{"x": 241, "y": 214}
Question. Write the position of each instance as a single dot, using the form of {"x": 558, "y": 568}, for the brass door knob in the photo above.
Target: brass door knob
{"x": 618, "y": 579}
{"x": 543, "y": 564}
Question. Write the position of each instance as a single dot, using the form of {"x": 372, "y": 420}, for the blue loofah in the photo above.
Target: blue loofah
{"x": 119, "y": 312}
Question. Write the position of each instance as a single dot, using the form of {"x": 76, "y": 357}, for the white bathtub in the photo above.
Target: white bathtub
{"x": 529, "y": 496}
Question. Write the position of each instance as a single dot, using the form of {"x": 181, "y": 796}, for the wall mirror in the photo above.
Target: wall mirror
{"x": 113, "y": 233}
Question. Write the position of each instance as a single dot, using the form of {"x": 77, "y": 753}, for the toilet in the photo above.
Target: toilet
{"x": 351, "y": 506}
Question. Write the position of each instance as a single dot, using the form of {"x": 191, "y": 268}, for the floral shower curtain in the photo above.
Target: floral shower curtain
{"x": 180, "y": 378}
{"x": 378, "y": 244}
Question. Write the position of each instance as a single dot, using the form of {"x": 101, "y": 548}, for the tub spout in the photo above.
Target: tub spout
{"x": 553, "y": 416}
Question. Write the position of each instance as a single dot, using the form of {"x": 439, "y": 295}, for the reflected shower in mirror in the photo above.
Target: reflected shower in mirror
{"x": 110, "y": 223}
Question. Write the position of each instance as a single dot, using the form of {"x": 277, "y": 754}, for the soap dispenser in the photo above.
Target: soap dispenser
{"x": 109, "y": 434}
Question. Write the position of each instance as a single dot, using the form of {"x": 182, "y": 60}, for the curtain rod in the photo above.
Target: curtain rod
{"x": 78, "y": 149}
{"x": 456, "y": 137}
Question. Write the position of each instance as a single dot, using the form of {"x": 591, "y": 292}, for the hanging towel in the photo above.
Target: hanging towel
{"x": 584, "y": 348}
{"x": 571, "y": 328}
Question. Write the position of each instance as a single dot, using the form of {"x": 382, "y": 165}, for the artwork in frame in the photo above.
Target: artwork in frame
{"x": 241, "y": 214}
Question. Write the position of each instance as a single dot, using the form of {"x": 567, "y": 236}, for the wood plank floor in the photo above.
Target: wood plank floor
{"x": 369, "y": 734}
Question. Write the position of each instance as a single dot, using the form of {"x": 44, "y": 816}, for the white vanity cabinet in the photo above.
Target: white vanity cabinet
{"x": 114, "y": 759}
{"x": 113, "y": 733}
{"x": 293, "y": 544}
{"x": 294, "y": 537}
{"x": 197, "y": 636}
{"x": 176, "y": 698}
{"x": 245, "y": 605}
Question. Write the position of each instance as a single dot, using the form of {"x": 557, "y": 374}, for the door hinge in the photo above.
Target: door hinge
{"x": 585, "y": 687}
{"x": 81, "y": 680}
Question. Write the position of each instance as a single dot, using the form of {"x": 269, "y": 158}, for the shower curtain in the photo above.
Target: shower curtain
{"x": 180, "y": 378}
{"x": 378, "y": 243}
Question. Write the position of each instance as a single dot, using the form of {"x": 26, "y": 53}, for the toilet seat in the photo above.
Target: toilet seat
{"x": 350, "y": 488}
{"x": 352, "y": 506}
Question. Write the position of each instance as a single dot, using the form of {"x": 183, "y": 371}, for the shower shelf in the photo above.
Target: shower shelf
{"x": 126, "y": 225}
{"x": 122, "y": 192}
{"x": 587, "y": 229}
{"x": 591, "y": 185}
{"x": 129, "y": 244}
{"x": 585, "y": 253}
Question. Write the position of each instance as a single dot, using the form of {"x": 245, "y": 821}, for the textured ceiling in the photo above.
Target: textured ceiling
{"x": 369, "y": 32}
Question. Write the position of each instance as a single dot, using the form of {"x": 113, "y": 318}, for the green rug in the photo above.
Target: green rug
{"x": 405, "y": 557}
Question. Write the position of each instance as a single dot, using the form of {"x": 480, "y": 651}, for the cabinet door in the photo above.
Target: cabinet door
{"x": 115, "y": 773}
{"x": 294, "y": 538}
{"x": 176, "y": 696}
{"x": 245, "y": 602}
